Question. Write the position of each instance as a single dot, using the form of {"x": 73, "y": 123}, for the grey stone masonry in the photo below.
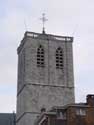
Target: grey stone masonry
{"x": 44, "y": 80}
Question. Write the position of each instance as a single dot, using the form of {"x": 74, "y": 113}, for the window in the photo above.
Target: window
{"x": 40, "y": 56}
{"x": 61, "y": 115}
{"x": 59, "y": 58}
{"x": 81, "y": 111}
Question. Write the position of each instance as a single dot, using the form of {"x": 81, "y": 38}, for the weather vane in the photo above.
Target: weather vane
{"x": 43, "y": 22}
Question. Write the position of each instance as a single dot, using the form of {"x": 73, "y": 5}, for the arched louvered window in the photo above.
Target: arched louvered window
{"x": 59, "y": 58}
{"x": 40, "y": 56}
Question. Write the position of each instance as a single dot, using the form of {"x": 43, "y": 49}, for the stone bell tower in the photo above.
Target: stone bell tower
{"x": 45, "y": 74}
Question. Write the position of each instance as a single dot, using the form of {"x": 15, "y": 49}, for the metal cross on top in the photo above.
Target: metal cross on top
{"x": 43, "y": 21}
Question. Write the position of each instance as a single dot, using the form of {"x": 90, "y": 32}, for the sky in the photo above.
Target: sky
{"x": 65, "y": 17}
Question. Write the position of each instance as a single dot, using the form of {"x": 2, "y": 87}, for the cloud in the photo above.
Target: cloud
{"x": 8, "y": 103}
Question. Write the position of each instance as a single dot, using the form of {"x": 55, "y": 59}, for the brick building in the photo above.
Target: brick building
{"x": 72, "y": 114}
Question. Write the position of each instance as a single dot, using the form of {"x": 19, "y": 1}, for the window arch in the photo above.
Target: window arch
{"x": 40, "y": 56}
{"x": 59, "y": 58}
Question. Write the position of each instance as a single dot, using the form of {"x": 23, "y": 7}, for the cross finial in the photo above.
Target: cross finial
{"x": 43, "y": 21}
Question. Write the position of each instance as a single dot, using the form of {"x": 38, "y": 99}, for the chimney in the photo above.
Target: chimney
{"x": 90, "y": 100}
{"x": 43, "y": 110}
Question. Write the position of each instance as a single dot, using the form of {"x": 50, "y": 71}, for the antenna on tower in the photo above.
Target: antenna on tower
{"x": 75, "y": 29}
{"x": 43, "y": 19}
{"x": 25, "y": 25}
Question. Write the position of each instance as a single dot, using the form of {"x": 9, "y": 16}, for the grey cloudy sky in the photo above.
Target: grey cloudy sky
{"x": 65, "y": 17}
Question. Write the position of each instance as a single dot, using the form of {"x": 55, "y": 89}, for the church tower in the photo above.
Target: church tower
{"x": 45, "y": 74}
